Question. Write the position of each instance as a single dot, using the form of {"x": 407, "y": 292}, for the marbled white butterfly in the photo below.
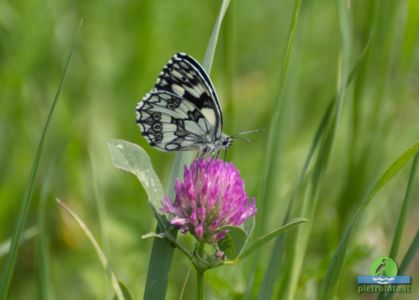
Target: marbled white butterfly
{"x": 182, "y": 112}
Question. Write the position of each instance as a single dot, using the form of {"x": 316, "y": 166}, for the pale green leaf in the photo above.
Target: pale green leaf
{"x": 233, "y": 242}
{"x": 132, "y": 158}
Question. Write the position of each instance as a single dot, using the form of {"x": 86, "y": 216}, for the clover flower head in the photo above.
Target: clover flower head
{"x": 210, "y": 197}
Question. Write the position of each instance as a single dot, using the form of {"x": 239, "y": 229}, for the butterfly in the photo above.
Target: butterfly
{"x": 182, "y": 112}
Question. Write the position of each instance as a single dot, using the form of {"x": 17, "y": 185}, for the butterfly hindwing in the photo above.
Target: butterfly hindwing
{"x": 171, "y": 123}
{"x": 184, "y": 77}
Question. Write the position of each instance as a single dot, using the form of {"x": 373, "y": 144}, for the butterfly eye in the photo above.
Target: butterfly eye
{"x": 157, "y": 126}
{"x": 171, "y": 106}
{"x": 227, "y": 142}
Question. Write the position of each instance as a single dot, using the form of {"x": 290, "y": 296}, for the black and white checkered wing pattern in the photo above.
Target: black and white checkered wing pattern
{"x": 171, "y": 123}
{"x": 182, "y": 111}
{"x": 184, "y": 77}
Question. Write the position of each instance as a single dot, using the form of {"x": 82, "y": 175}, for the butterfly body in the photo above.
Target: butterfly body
{"x": 182, "y": 112}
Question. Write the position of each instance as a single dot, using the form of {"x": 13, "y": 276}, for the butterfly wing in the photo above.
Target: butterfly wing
{"x": 183, "y": 76}
{"x": 171, "y": 123}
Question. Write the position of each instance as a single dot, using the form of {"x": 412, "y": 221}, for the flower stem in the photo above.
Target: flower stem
{"x": 200, "y": 273}
{"x": 200, "y": 284}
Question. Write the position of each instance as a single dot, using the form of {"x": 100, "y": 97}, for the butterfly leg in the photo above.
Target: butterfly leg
{"x": 217, "y": 155}
{"x": 199, "y": 156}
{"x": 225, "y": 156}
{"x": 210, "y": 161}
{"x": 213, "y": 157}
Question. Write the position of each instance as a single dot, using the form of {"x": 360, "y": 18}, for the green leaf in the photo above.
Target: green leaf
{"x": 249, "y": 225}
{"x": 99, "y": 252}
{"x": 329, "y": 284}
{"x": 233, "y": 242}
{"x": 132, "y": 158}
{"x": 266, "y": 238}
{"x": 9, "y": 264}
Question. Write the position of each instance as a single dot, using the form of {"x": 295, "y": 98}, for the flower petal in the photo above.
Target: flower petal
{"x": 210, "y": 196}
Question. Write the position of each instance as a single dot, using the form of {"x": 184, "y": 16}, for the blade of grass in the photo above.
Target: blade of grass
{"x": 405, "y": 208}
{"x": 99, "y": 252}
{"x": 100, "y": 202}
{"x": 271, "y": 273}
{"x": 272, "y": 153}
{"x": 273, "y": 140}
{"x": 411, "y": 41}
{"x": 212, "y": 44}
{"x": 268, "y": 237}
{"x": 402, "y": 217}
{"x": 343, "y": 75}
{"x": 125, "y": 291}
{"x": 362, "y": 158}
{"x": 42, "y": 250}
{"x": 410, "y": 254}
{"x": 162, "y": 250}
{"x": 185, "y": 282}
{"x": 229, "y": 69}
{"x": 44, "y": 284}
{"x": 329, "y": 284}
{"x": 310, "y": 202}
{"x": 9, "y": 265}
{"x": 270, "y": 277}
{"x": 407, "y": 260}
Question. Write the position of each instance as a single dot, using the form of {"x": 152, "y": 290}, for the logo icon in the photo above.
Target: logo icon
{"x": 383, "y": 278}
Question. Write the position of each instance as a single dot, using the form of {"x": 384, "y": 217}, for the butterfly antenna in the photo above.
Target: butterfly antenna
{"x": 237, "y": 136}
{"x": 240, "y": 138}
{"x": 250, "y": 131}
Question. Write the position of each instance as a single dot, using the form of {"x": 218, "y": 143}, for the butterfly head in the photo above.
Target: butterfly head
{"x": 222, "y": 143}
{"x": 225, "y": 141}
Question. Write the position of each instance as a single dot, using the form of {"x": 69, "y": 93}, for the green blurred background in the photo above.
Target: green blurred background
{"x": 120, "y": 50}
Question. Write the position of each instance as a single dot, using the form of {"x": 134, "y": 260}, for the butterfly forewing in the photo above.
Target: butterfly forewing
{"x": 185, "y": 77}
{"x": 182, "y": 111}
